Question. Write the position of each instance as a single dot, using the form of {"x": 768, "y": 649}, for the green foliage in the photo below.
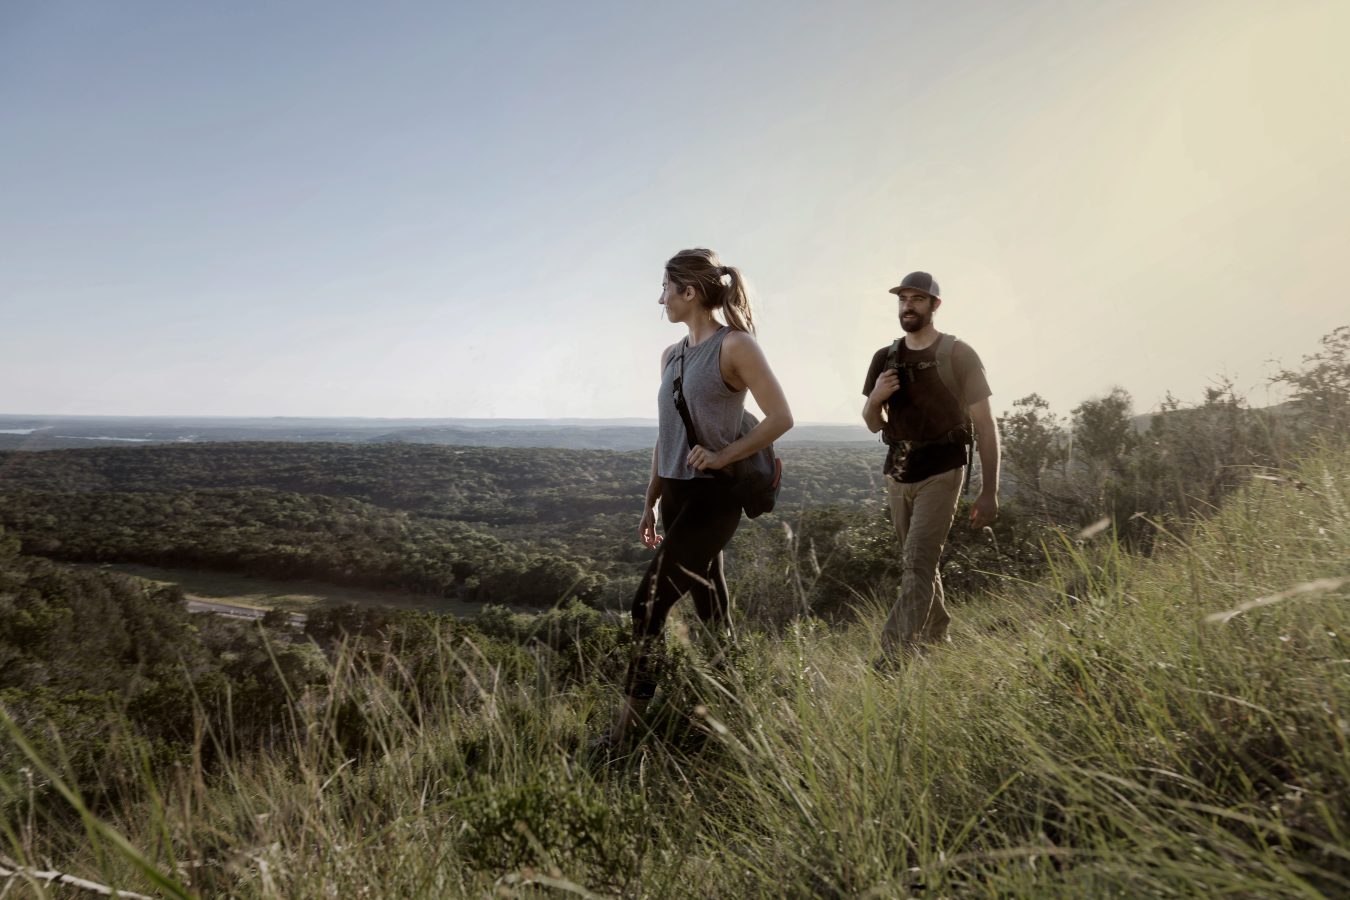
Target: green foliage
{"x": 836, "y": 563}
{"x": 1183, "y": 465}
{"x": 120, "y": 670}
{"x": 9, "y": 545}
{"x": 278, "y": 535}
{"x": 547, "y": 822}
{"x": 83, "y": 630}
{"x": 1032, "y": 440}
{"x": 572, "y": 642}
{"x": 825, "y": 562}
{"x": 1321, "y": 389}
{"x": 1103, "y": 430}
{"x": 1097, "y": 732}
{"x": 518, "y": 527}
{"x": 1108, "y": 740}
{"x": 1190, "y": 459}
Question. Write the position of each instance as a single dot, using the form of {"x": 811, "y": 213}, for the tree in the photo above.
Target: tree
{"x": 1033, "y": 440}
{"x": 1193, "y": 456}
{"x": 1322, "y": 389}
{"x": 1104, "y": 432}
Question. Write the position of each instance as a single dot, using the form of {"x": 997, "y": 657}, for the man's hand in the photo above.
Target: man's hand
{"x": 984, "y": 511}
{"x": 888, "y": 382}
{"x": 703, "y": 459}
{"x": 647, "y": 530}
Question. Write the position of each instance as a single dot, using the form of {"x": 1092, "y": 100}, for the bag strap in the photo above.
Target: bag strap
{"x": 677, "y": 394}
{"x": 947, "y": 371}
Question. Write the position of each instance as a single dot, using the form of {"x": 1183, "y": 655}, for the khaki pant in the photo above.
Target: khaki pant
{"x": 922, "y": 513}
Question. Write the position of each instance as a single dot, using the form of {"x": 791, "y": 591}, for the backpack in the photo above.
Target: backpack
{"x": 946, "y": 346}
{"x": 963, "y": 433}
{"x": 755, "y": 480}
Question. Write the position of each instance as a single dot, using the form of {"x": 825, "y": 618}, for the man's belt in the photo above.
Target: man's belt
{"x": 961, "y": 434}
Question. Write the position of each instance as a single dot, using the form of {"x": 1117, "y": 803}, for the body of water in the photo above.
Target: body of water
{"x": 85, "y": 437}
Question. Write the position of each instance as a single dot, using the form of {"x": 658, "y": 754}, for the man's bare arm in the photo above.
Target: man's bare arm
{"x": 985, "y": 508}
{"x": 874, "y": 410}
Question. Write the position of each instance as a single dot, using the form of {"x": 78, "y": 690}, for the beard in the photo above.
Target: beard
{"x": 915, "y": 321}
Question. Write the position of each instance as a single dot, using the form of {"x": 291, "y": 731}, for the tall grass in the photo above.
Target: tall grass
{"x": 1092, "y": 735}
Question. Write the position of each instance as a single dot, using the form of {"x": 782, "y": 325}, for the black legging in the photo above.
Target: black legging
{"x": 699, "y": 516}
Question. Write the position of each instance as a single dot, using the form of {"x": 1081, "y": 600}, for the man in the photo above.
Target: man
{"x": 928, "y": 396}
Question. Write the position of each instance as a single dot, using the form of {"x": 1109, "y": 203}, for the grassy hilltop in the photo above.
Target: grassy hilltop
{"x": 1147, "y": 694}
{"x": 1095, "y": 734}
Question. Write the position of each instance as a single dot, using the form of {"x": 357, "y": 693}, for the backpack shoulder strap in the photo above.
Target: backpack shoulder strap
{"x": 947, "y": 371}
{"x": 893, "y": 354}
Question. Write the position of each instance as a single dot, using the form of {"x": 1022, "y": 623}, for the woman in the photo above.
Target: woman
{"x": 713, "y": 368}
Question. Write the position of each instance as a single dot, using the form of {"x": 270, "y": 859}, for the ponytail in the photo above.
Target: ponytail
{"x": 736, "y": 302}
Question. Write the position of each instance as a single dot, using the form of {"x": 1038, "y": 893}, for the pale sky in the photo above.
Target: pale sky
{"x": 434, "y": 209}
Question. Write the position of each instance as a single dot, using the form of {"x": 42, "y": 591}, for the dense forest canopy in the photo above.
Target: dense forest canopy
{"x": 530, "y": 526}
{"x": 514, "y": 526}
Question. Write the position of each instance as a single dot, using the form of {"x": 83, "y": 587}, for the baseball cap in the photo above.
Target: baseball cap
{"x": 918, "y": 281}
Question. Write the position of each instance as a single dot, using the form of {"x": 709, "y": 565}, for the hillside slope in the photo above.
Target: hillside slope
{"x": 1112, "y": 740}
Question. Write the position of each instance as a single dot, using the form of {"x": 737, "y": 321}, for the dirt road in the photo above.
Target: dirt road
{"x": 195, "y": 604}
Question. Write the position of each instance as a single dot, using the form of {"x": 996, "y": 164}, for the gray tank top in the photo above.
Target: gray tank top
{"x": 715, "y": 408}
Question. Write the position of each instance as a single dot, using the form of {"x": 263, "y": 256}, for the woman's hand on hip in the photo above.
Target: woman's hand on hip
{"x": 647, "y": 530}
{"x": 703, "y": 459}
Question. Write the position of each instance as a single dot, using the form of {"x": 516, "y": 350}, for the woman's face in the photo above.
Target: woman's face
{"x": 677, "y": 302}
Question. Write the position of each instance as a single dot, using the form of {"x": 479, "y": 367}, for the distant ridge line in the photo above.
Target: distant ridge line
{"x": 72, "y": 432}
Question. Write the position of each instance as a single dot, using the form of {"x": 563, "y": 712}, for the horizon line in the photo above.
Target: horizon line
{"x": 636, "y": 420}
